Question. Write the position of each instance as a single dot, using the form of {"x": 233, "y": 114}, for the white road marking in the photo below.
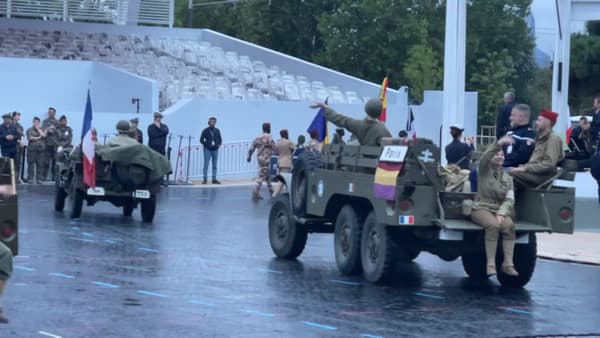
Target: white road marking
{"x": 49, "y": 334}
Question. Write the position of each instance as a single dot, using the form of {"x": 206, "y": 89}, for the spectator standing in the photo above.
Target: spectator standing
{"x": 50, "y": 125}
{"x": 503, "y": 118}
{"x": 211, "y": 140}
{"x": 157, "y": 134}
{"x": 64, "y": 133}
{"x": 9, "y": 137}
{"x": 300, "y": 148}
{"x": 263, "y": 145}
{"x": 580, "y": 144}
{"x": 138, "y": 134}
{"x": 595, "y": 126}
{"x": 457, "y": 152}
{"x": 314, "y": 144}
{"x": 16, "y": 117}
{"x": 35, "y": 150}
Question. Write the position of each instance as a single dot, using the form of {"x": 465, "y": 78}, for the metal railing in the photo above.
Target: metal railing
{"x": 155, "y": 12}
{"x": 231, "y": 162}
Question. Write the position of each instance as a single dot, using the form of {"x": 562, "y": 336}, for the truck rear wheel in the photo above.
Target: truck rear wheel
{"x": 128, "y": 207}
{"x": 60, "y": 196}
{"x": 76, "y": 203}
{"x": 148, "y": 208}
{"x": 475, "y": 265}
{"x": 347, "y": 237}
{"x": 306, "y": 163}
{"x": 379, "y": 252}
{"x": 524, "y": 259}
{"x": 286, "y": 236}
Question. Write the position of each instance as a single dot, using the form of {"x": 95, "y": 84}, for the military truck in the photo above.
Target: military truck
{"x": 126, "y": 176}
{"x": 9, "y": 206}
{"x": 333, "y": 192}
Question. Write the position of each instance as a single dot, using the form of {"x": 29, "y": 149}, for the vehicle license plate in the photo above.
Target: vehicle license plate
{"x": 141, "y": 194}
{"x": 97, "y": 191}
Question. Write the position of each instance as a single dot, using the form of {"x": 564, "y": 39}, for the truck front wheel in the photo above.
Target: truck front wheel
{"x": 347, "y": 237}
{"x": 148, "y": 208}
{"x": 76, "y": 203}
{"x": 286, "y": 236}
{"x": 379, "y": 252}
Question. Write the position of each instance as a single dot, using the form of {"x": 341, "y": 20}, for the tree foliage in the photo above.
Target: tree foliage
{"x": 402, "y": 38}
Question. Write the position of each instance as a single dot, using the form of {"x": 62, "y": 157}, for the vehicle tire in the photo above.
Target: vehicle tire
{"x": 306, "y": 163}
{"x": 413, "y": 254}
{"x": 378, "y": 251}
{"x": 77, "y": 203}
{"x": 346, "y": 240}
{"x": 524, "y": 259}
{"x": 128, "y": 207}
{"x": 286, "y": 236}
{"x": 475, "y": 265}
{"x": 60, "y": 196}
{"x": 148, "y": 208}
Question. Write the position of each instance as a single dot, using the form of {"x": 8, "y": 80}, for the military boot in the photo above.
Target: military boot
{"x": 256, "y": 196}
{"x": 3, "y": 320}
{"x": 508, "y": 248}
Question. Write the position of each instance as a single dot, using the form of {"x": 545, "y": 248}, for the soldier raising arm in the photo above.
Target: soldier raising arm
{"x": 369, "y": 131}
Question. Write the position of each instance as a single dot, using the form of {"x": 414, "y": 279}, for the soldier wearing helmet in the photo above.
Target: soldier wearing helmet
{"x": 369, "y": 131}
{"x": 124, "y": 135}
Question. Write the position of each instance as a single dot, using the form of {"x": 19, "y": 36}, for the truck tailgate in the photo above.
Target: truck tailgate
{"x": 462, "y": 225}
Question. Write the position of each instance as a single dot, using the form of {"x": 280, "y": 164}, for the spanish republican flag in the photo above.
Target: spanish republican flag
{"x": 383, "y": 98}
{"x": 386, "y": 175}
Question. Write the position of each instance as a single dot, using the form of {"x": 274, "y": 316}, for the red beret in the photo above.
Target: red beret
{"x": 550, "y": 115}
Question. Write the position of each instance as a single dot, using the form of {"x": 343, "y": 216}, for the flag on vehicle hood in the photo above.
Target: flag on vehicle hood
{"x": 383, "y": 98}
{"x": 319, "y": 123}
{"x": 88, "y": 140}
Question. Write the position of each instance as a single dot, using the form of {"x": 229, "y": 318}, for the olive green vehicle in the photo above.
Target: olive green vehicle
{"x": 126, "y": 176}
{"x": 333, "y": 192}
{"x": 9, "y": 206}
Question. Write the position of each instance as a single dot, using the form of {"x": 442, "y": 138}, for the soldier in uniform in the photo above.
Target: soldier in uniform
{"x": 493, "y": 209}
{"x": 64, "y": 133}
{"x": 314, "y": 144}
{"x": 123, "y": 137}
{"x": 9, "y": 137}
{"x": 368, "y": 131}
{"x": 458, "y": 152}
{"x": 6, "y": 259}
{"x": 16, "y": 116}
{"x": 263, "y": 145}
{"x": 138, "y": 135}
{"x": 547, "y": 153}
{"x": 520, "y": 139}
{"x": 338, "y": 136}
{"x": 35, "y": 152}
{"x": 50, "y": 126}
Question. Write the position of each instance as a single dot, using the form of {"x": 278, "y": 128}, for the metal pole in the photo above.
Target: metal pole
{"x": 187, "y": 170}
{"x": 8, "y": 8}
{"x": 190, "y": 18}
{"x": 169, "y": 155}
{"x": 178, "y": 149}
{"x": 171, "y": 12}
{"x": 65, "y": 10}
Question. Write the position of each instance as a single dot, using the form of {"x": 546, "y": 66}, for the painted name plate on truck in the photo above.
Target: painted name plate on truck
{"x": 394, "y": 154}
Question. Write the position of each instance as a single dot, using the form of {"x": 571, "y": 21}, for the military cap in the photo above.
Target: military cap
{"x": 456, "y": 126}
{"x": 134, "y": 120}
{"x": 62, "y": 117}
{"x": 6, "y": 116}
{"x": 157, "y": 114}
{"x": 123, "y": 126}
{"x": 373, "y": 108}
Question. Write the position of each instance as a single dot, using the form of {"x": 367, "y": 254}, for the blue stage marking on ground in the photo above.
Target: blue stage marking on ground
{"x": 21, "y": 267}
{"x": 87, "y": 234}
{"x": 83, "y": 239}
{"x": 366, "y": 335}
{"x": 510, "y": 309}
{"x": 199, "y": 302}
{"x": 58, "y": 274}
{"x": 20, "y": 284}
{"x": 344, "y": 282}
{"x": 428, "y": 295}
{"x": 20, "y": 257}
{"x": 48, "y": 334}
{"x": 320, "y": 326}
{"x": 43, "y": 201}
{"x": 254, "y": 312}
{"x": 147, "y": 249}
{"x": 108, "y": 285}
{"x": 269, "y": 270}
{"x": 148, "y": 293}
{"x": 109, "y": 241}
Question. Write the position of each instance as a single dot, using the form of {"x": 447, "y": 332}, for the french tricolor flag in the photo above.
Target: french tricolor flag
{"x": 88, "y": 140}
{"x": 406, "y": 220}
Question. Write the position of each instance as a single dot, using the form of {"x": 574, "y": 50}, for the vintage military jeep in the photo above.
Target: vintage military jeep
{"x": 333, "y": 192}
{"x": 125, "y": 176}
{"x": 9, "y": 206}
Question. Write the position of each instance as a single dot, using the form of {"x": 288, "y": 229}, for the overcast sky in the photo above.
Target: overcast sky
{"x": 544, "y": 13}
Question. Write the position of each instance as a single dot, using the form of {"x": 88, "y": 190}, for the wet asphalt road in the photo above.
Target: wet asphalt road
{"x": 205, "y": 269}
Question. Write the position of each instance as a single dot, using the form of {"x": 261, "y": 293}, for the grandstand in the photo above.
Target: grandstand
{"x": 185, "y": 66}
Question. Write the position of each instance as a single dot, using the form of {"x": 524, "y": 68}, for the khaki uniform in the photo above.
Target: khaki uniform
{"x": 263, "y": 145}
{"x": 36, "y": 150}
{"x": 314, "y": 145}
{"x": 284, "y": 149}
{"x": 122, "y": 140}
{"x": 541, "y": 166}
{"x": 20, "y": 149}
{"x": 369, "y": 132}
{"x": 495, "y": 196}
{"x": 51, "y": 142}
{"x": 64, "y": 136}
{"x": 6, "y": 262}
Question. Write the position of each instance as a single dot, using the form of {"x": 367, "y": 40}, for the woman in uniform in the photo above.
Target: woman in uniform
{"x": 36, "y": 172}
{"x": 493, "y": 209}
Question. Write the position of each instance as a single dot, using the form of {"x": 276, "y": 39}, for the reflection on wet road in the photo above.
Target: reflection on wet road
{"x": 205, "y": 269}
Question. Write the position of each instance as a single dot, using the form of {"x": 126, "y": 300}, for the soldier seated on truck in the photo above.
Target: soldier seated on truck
{"x": 6, "y": 258}
{"x": 369, "y": 131}
{"x": 124, "y": 135}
